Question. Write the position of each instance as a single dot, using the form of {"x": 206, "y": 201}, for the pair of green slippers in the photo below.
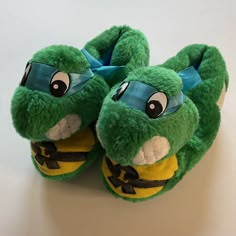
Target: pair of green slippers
{"x": 148, "y": 125}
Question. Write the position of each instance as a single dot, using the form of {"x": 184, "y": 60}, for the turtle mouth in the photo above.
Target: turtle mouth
{"x": 64, "y": 128}
{"x": 152, "y": 151}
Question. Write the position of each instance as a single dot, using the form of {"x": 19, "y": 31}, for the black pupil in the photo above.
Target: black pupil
{"x": 58, "y": 88}
{"x": 154, "y": 108}
{"x": 118, "y": 93}
{"x": 23, "y": 81}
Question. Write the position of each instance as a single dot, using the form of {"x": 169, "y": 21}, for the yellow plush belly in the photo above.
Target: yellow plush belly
{"x": 138, "y": 181}
{"x": 64, "y": 156}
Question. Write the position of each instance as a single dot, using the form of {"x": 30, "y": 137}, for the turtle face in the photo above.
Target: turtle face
{"x": 58, "y": 95}
{"x": 146, "y": 118}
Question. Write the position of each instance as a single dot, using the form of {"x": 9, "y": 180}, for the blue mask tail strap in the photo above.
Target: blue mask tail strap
{"x": 98, "y": 67}
{"x": 190, "y": 78}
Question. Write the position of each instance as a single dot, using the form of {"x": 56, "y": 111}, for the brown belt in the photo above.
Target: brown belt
{"x": 131, "y": 178}
{"x": 53, "y": 156}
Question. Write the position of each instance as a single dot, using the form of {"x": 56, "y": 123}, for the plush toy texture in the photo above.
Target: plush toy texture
{"x": 120, "y": 46}
{"x": 148, "y": 150}
{"x": 65, "y": 159}
{"x": 62, "y": 91}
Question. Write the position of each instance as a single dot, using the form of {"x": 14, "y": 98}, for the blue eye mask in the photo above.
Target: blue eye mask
{"x": 149, "y": 100}
{"x": 101, "y": 67}
{"x": 50, "y": 80}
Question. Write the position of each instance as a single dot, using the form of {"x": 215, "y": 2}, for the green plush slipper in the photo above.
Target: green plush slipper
{"x": 61, "y": 93}
{"x": 158, "y": 123}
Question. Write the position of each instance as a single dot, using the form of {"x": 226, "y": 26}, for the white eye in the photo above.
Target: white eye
{"x": 24, "y": 78}
{"x": 59, "y": 84}
{"x": 120, "y": 91}
{"x": 156, "y": 105}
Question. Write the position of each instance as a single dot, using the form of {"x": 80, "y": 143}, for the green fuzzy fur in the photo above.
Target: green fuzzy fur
{"x": 214, "y": 74}
{"x": 34, "y": 112}
{"x": 121, "y": 127}
{"x": 191, "y": 130}
{"x": 129, "y": 48}
{"x": 66, "y": 58}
